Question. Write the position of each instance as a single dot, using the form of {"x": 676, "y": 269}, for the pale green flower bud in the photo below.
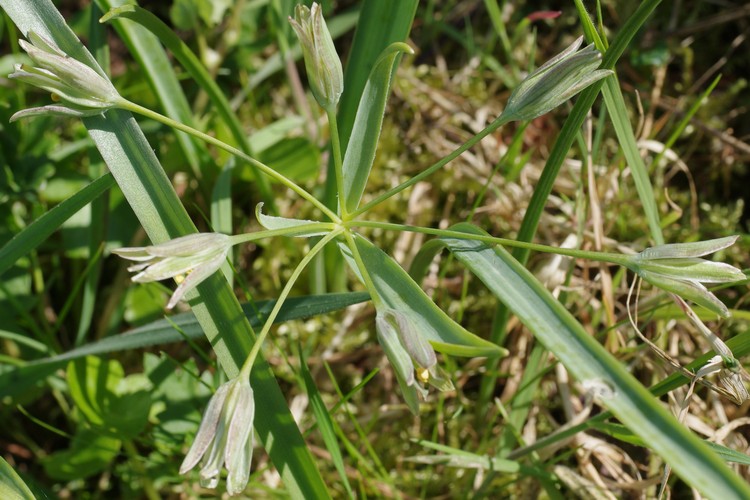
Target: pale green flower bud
{"x": 81, "y": 90}
{"x": 556, "y": 81}
{"x": 225, "y": 437}
{"x": 411, "y": 355}
{"x": 324, "y": 73}
{"x": 197, "y": 255}
{"x": 677, "y": 268}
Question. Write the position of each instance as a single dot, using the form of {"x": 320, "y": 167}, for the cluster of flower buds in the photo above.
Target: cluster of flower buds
{"x": 225, "y": 437}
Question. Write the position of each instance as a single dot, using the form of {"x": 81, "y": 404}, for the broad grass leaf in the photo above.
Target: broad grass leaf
{"x": 360, "y": 153}
{"x": 398, "y": 291}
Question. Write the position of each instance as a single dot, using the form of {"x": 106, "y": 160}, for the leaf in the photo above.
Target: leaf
{"x": 113, "y": 404}
{"x": 272, "y": 222}
{"x": 360, "y": 152}
{"x": 91, "y": 382}
{"x": 593, "y": 366}
{"x": 39, "y": 230}
{"x": 12, "y": 486}
{"x": 398, "y": 291}
{"x": 326, "y": 425}
{"x": 18, "y": 379}
{"x": 455, "y": 457}
{"x": 90, "y": 453}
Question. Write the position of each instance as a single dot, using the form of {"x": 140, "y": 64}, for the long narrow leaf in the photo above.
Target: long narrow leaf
{"x": 17, "y": 380}
{"x": 591, "y": 364}
{"x": 369, "y": 120}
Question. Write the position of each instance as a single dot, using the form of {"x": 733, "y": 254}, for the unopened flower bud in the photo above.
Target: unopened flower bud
{"x": 80, "y": 90}
{"x": 556, "y": 81}
{"x": 411, "y": 356}
{"x": 324, "y": 73}
{"x": 225, "y": 437}
{"x": 197, "y": 255}
{"x": 677, "y": 268}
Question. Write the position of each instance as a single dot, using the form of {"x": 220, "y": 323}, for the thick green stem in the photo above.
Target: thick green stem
{"x": 499, "y": 122}
{"x": 612, "y": 258}
{"x": 248, "y": 365}
{"x": 136, "y": 108}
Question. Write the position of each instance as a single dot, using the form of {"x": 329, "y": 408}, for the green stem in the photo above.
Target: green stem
{"x": 284, "y": 231}
{"x": 337, "y": 162}
{"x": 499, "y": 122}
{"x": 248, "y": 365}
{"x": 612, "y": 258}
{"x": 136, "y": 108}
{"x": 363, "y": 269}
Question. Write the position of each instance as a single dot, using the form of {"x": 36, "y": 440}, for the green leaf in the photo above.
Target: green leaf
{"x": 271, "y": 222}
{"x": 398, "y": 291}
{"x": 326, "y": 425}
{"x": 112, "y": 403}
{"x": 17, "y": 380}
{"x": 39, "y": 230}
{"x": 12, "y": 486}
{"x": 92, "y": 382}
{"x": 90, "y": 453}
{"x": 619, "y": 116}
{"x": 360, "y": 152}
{"x": 455, "y": 457}
{"x": 594, "y": 367}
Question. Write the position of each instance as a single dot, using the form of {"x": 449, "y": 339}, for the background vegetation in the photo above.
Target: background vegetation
{"x": 70, "y": 292}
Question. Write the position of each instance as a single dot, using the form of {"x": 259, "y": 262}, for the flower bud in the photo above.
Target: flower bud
{"x": 81, "y": 90}
{"x": 197, "y": 255}
{"x": 324, "y": 73}
{"x": 225, "y": 437}
{"x": 677, "y": 268}
{"x": 555, "y": 82}
{"x": 409, "y": 353}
